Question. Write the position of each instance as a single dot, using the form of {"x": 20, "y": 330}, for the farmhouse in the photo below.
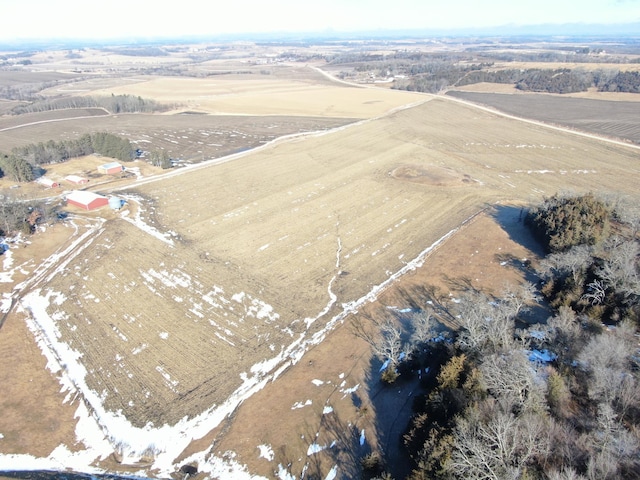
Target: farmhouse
{"x": 75, "y": 179}
{"x": 110, "y": 168}
{"x": 47, "y": 182}
{"x": 86, "y": 200}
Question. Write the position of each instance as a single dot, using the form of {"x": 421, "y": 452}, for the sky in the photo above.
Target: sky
{"x": 92, "y": 19}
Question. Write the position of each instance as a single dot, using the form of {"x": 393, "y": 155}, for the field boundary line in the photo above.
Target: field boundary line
{"x": 52, "y": 120}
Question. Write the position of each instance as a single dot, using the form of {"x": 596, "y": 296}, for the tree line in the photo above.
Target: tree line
{"x": 433, "y": 72}
{"x": 561, "y": 80}
{"x": 24, "y": 164}
{"x": 113, "y": 104}
{"x": 506, "y": 399}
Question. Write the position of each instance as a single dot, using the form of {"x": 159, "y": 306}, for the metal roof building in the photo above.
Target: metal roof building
{"x": 86, "y": 200}
{"x": 76, "y": 179}
{"x": 111, "y": 168}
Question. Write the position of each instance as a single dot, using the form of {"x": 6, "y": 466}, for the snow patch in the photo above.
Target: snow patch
{"x": 266, "y": 452}
{"x": 333, "y": 473}
{"x": 301, "y": 405}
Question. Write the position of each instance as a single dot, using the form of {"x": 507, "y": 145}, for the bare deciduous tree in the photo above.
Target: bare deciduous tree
{"x": 596, "y": 292}
{"x": 510, "y": 378}
{"x": 496, "y": 445}
{"x": 424, "y": 325}
{"x": 607, "y": 359}
{"x": 519, "y": 298}
{"x": 620, "y": 270}
{"x": 389, "y": 345}
{"x": 385, "y": 339}
{"x": 614, "y": 446}
{"x": 574, "y": 262}
{"x": 566, "y": 473}
{"x": 487, "y": 324}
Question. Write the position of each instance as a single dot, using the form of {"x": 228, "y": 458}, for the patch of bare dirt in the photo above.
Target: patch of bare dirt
{"x": 431, "y": 175}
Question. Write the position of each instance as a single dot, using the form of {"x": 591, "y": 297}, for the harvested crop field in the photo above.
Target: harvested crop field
{"x": 188, "y": 137}
{"x": 217, "y": 277}
{"x": 311, "y": 94}
{"x": 607, "y": 118}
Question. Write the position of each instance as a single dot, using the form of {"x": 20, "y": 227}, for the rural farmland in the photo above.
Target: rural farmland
{"x": 219, "y": 276}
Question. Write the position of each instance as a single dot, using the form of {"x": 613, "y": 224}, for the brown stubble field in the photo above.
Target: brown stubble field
{"x": 189, "y": 137}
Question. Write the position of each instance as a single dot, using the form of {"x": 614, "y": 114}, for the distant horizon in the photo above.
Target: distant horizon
{"x": 557, "y": 31}
{"x": 31, "y": 21}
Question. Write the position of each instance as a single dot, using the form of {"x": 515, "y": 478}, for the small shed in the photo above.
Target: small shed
{"x": 110, "y": 168}
{"x": 76, "y": 180}
{"x": 47, "y": 182}
{"x": 86, "y": 200}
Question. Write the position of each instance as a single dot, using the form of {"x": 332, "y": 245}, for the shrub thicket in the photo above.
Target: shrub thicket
{"x": 562, "y": 222}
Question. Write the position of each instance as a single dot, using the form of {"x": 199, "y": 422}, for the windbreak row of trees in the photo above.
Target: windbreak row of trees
{"x": 507, "y": 399}
{"x": 113, "y": 104}
{"x": 23, "y": 164}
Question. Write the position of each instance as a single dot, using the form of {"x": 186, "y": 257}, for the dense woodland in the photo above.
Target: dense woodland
{"x": 533, "y": 80}
{"x": 24, "y": 164}
{"x": 507, "y": 399}
{"x": 422, "y": 72}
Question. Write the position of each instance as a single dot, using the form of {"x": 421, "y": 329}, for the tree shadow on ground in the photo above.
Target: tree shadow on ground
{"x": 511, "y": 219}
{"x": 392, "y": 408}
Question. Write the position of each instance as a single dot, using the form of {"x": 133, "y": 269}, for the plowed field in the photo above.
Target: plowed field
{"x": 607, "y": 118}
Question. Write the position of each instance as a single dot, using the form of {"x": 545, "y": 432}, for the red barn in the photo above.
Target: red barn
{"x": 110, "y": 168}
{"x": 47, "y": 182}
{"x": 86, "y": 200}
{"x": 76, "y": 179}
